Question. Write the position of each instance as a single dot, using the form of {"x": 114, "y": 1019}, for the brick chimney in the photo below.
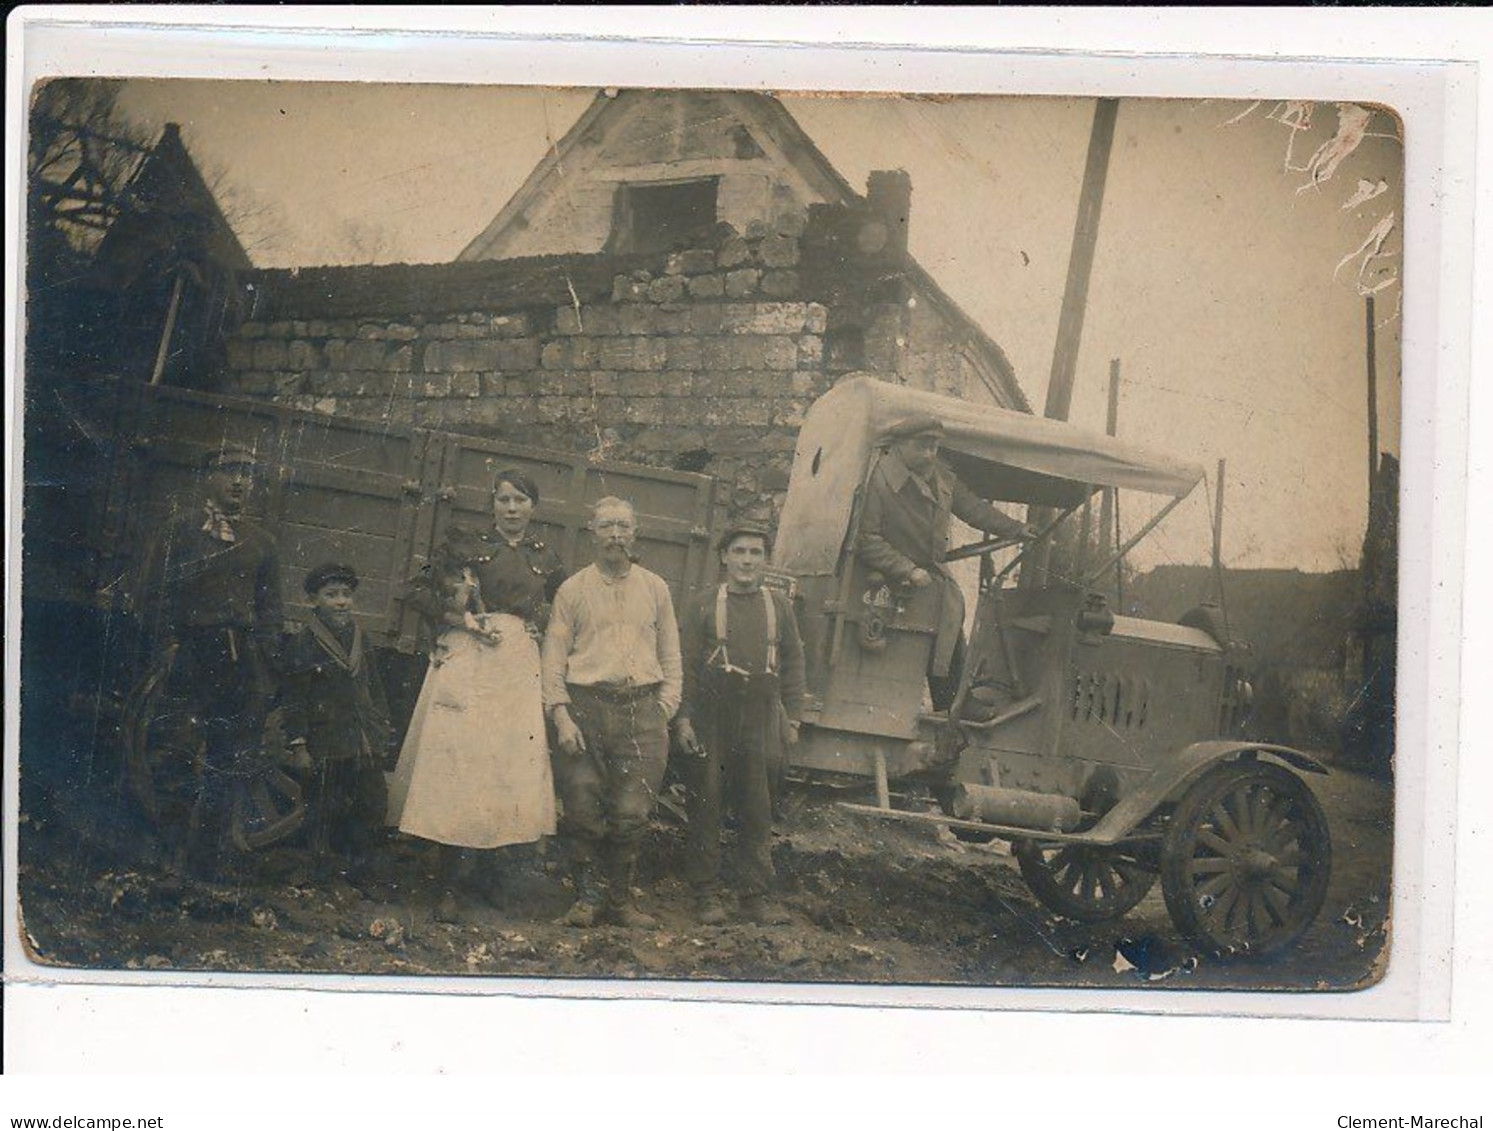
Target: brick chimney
{"x": 889, "y": 197}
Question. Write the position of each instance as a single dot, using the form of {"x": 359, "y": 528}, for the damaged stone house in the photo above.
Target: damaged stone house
{"x": 679, "y": 278}
{"x": 151, "y": 302}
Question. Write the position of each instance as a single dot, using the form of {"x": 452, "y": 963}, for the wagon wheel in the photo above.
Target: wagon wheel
{"x": 140, "y": 717}
{"x": 1245, "y": 862}
{"x": 1085, "y": 882}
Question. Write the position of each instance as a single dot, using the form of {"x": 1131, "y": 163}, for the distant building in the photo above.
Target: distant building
{"x": 1322, "y": 655}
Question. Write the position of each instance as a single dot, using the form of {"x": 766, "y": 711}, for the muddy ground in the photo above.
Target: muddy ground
{"x": 871, "y": 902}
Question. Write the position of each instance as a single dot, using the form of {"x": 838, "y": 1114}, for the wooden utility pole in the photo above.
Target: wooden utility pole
{"x": 1108, "y": 527}
{"x": 1075, "y": 301}
{"x": 1081, "y": 261}
{"x": 1223, "y": 606}
{"x": 1368, "y": 314}
{"x": 164, "y": 350}
{"x": 1218, "y": 527}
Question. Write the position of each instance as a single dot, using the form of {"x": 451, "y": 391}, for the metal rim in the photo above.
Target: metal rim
{"x": 1246, "y": 860}
{"x": 1084, "y": 882}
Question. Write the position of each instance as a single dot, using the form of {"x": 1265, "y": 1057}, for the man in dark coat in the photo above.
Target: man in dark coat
{"x": 904, "y": 534}
{"x": 336, "y": 721}
{"x": 208, "y": 594}
{"x": 743, "y": 696}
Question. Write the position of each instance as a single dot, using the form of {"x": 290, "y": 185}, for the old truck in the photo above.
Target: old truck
{"x": 1108, "y": 749}
{"x": 1105, "y": 748}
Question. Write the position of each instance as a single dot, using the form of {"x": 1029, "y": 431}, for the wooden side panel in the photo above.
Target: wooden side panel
{"x": 674, "y": 508}
{"x": 877, "y": 691}
{"x": 380, "y": 499}
{"x": 344, "y": 497}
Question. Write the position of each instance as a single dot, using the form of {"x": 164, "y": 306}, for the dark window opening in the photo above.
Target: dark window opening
{"x": 696, "y": 459}
{"x": 844, "y": 349}
{"x": 652, "y": 218}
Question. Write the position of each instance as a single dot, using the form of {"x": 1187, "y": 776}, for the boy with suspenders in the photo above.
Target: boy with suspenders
{"x": 743, "y": 693}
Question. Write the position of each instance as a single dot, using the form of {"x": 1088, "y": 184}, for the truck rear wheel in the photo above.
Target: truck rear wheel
{"x": 1084, "y": 882}
{"x": 1246, "y": 859}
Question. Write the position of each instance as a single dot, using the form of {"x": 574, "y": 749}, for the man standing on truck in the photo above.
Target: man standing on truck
{"x": 904, "y": 534}
{"x": 612, "y": 680}
{"x": 743, "y": 694}
{"x": 208, "y": 594}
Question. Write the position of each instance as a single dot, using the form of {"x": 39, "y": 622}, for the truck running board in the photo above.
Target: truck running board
{"x": 1004, "y": 832}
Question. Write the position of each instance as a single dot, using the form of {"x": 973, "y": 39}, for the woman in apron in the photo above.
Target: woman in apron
{"x": 474, "y": 772}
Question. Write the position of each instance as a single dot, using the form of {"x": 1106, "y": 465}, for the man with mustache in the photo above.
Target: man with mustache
{"x": 612, "y": 680}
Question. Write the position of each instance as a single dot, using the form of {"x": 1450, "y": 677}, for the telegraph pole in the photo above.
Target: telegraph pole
{"x": 1081, "y": 260}
{"x": 1368, "y": 315}
{"x": 1075, "y": 300}
{"x": 1108, "y": 520}
{"x": 1218, "y": 528}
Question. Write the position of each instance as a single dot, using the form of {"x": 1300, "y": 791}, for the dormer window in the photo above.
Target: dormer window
{"x": 663, "y": 217}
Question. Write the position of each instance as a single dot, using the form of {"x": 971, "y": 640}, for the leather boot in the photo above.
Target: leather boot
{"x": 447, "y": 908}
{"x": 761, "y": 910}
{"x": 587, "y": 908}
{"x": 451, "y": 868}
{"x": 621, "y": 909}
{"x": 709, "y": 910}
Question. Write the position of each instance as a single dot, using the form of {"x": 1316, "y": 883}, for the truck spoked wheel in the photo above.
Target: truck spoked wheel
{"x": 1246, "y": 859}
{"x": 1084, "y": 882}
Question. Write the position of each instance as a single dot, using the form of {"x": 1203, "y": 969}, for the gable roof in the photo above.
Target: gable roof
{"x": 170, "y": 207}
{"x": 774, "y": 125}
{"x": 771, "y": 121}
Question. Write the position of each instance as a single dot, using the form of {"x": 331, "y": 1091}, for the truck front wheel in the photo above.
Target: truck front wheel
{"x": 1246, "y": 859}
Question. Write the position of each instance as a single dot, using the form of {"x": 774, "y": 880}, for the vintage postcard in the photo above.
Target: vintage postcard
{"x": 709, "y": 535}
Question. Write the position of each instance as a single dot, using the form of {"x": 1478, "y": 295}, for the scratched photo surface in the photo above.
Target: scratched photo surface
{"x": 323, "y": 381}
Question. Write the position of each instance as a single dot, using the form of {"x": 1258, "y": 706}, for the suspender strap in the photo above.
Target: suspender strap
{"x": 770, "y": 611}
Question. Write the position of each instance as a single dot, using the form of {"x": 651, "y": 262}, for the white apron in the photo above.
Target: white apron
{"x": 475, "y": 770}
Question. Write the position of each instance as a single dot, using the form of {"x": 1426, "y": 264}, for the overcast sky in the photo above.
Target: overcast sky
{"x": 1225, "y": 282}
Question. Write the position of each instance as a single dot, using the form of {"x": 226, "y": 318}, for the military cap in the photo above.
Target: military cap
{"x": 919, "y": 424}
{"x": 743, "y": 526}
{"x": 229, "y": 455}
{"x": 328, "y": 572}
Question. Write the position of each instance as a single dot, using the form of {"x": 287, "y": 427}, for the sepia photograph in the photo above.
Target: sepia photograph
{"x": 709, "y": 535}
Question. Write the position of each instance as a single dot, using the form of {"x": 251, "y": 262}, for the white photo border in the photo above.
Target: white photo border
{"x": 1436, "y": 100}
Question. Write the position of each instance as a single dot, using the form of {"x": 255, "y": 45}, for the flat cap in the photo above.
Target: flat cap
{"x": 744, "y": 526}
{"x": 328, "y": 572}
{"x": 919, "y": 424}
{"x": 230, "y": 455}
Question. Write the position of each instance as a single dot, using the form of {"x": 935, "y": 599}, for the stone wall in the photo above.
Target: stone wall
{"x": 704, "y": 361}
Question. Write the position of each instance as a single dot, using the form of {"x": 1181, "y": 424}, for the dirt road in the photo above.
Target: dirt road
{"x": 871, "y": 902}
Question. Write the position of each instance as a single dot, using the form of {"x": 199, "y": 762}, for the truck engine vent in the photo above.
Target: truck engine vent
{"x": 1109, "y": 699}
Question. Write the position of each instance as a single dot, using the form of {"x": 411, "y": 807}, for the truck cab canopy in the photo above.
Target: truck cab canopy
{"x": 1001, "y": 455}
